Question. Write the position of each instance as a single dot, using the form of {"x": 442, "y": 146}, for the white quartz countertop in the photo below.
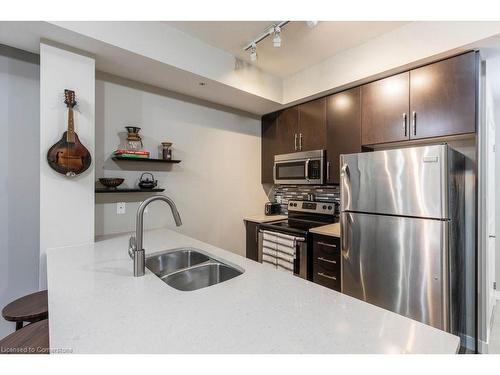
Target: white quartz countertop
{"x": 261, "y": 218}
{"x": 332, "y": 230}
{"x": 97, "y": 306}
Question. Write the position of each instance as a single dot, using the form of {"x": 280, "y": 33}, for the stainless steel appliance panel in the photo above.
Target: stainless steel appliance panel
{"x": 300, "y": 168}
{"x": 408, "y": 182}
{"x": 397, "y": 263}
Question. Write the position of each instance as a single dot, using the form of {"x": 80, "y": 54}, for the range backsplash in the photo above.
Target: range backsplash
{"x": 301, "y": 192}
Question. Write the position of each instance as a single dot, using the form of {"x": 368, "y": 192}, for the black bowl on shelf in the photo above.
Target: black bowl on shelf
{"x": 111, "y": 182}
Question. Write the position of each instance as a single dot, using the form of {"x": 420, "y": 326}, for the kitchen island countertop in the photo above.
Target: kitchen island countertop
{"x": 97, "y": 306}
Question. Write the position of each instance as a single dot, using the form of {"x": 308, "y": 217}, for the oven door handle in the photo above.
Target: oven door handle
{"x": 274, "y": 172}
{"x": 307, "y": 169}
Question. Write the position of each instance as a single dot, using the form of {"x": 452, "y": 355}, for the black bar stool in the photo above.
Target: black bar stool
{"x": 32, "y": 339}
{"x": 30, "y": 308}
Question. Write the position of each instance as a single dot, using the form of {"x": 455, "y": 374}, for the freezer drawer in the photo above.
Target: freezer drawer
{"x": 397, "y": 263}
{"x": 406, "y": 182}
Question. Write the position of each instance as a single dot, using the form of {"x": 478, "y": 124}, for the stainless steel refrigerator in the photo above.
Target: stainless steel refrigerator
{"x": 402, "y": 226}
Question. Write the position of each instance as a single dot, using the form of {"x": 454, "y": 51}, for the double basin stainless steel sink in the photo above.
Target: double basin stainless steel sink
{"x": 189, "y": 269}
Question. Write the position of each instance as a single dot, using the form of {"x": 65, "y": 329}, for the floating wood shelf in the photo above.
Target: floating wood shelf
{"x": 146, "y": 160}
{"x": 118, "y": 190}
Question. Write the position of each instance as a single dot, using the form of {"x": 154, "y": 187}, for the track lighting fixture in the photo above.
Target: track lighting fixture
{"x": 274, "y": 31}
{"x": 253, "y": 52}
{"x": 277, "y": 37}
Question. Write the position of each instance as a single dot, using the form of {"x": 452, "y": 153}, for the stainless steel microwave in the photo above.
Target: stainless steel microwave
{"x": 300, "y": 168}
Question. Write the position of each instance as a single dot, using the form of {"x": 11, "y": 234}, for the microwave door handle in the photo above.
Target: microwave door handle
{"x": 307, "y": 169}
{"x": 274, "y": 172}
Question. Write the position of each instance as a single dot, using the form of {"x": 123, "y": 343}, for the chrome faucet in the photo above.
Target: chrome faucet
{"x": 135, "y": 249}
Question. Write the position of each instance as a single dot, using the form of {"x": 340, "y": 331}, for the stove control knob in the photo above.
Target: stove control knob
{"x": 324, "y": 207}
{"x": 329, "y": 207}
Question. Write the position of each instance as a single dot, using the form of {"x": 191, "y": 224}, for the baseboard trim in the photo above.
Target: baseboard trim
{"x": 482, "y": 347}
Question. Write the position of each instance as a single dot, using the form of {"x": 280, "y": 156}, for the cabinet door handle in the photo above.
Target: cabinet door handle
{"x": 327, "y": 171}
{"x": 328, "y": 277}
{"x": 405, "y": 130}
{"x": 414, "y": 114}
{"x": 327, "y": 260}
{"x": 295, "y": 142}
{"x": 327, "y": 244}
{"x": 300, "y": 142}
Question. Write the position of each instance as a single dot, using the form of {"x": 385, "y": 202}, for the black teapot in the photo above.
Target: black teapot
{"x": 145, "y": 182}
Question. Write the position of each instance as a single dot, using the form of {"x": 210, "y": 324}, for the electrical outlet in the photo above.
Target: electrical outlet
{"x": 120, "y": 208}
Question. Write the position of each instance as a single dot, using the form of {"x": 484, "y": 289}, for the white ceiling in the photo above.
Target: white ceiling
{"x": 301, "y": 46}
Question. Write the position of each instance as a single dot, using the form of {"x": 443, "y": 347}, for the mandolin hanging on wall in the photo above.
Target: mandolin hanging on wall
{"x": 69, "y": 156}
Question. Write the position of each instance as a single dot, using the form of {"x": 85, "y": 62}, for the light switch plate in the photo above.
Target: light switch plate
{"x": 120, "y": 208}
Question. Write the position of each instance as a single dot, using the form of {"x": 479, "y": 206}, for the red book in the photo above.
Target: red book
{"x": 131, "y": 152}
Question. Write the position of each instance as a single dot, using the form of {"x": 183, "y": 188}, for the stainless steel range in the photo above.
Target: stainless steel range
{"x": 286, "y": 244}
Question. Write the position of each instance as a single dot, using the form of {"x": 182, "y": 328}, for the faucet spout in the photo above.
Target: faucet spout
{"x": 138, "y": 254}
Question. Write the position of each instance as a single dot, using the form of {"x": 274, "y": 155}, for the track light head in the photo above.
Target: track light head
{"x": 253, "y": 52}
{"x": 277, "y": 37}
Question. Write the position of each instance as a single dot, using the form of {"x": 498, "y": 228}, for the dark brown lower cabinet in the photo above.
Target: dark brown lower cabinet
{"x": 252, "y": 240}
{"x": 326, "y": 261}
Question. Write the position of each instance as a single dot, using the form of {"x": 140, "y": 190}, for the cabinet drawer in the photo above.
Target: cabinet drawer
{"x": 327, "y": 263}
{"x": 327, "y": 247}
{"x": 327, "y": 278}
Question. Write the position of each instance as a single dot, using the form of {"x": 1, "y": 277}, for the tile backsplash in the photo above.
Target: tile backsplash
{"x": 284, "y": 193}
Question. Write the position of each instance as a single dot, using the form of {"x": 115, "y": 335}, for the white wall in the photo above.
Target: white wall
{"x": 216, "y": 184}
{"x": 486, "y": 189}
{"x": 66, "y": 204}
{"x": 497, "y": 200}
{"x": 19, "y": 169}
{"x": 400, "y": 47}
{"x": 490, "y": 195}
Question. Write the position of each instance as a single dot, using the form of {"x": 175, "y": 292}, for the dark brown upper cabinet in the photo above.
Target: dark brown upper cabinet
{"x": 343, "y": 134}
{"x": 435, "y": 100}
{"x": 443, "y": 97}
{"x": 279, "y": 136}
{"x": 269, "y": 141}
{"x": 384, "y": 110}
{"x": 298, "y": 128}
{"x": 312, "y": 125}
{"x": 287, "y": 133}
{"x": 432, "y": 101}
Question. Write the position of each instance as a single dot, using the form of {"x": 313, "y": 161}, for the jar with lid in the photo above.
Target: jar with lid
{"x": 134, "y": 140}
{"x": 166, "y": 150}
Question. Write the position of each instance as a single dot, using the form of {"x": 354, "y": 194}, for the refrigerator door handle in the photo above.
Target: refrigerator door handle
{"x": 344, "y": 171}
{"x": 344, "y": 244}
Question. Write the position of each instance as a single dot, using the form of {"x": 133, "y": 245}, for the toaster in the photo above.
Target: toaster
{"x": 272, "y": 208}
